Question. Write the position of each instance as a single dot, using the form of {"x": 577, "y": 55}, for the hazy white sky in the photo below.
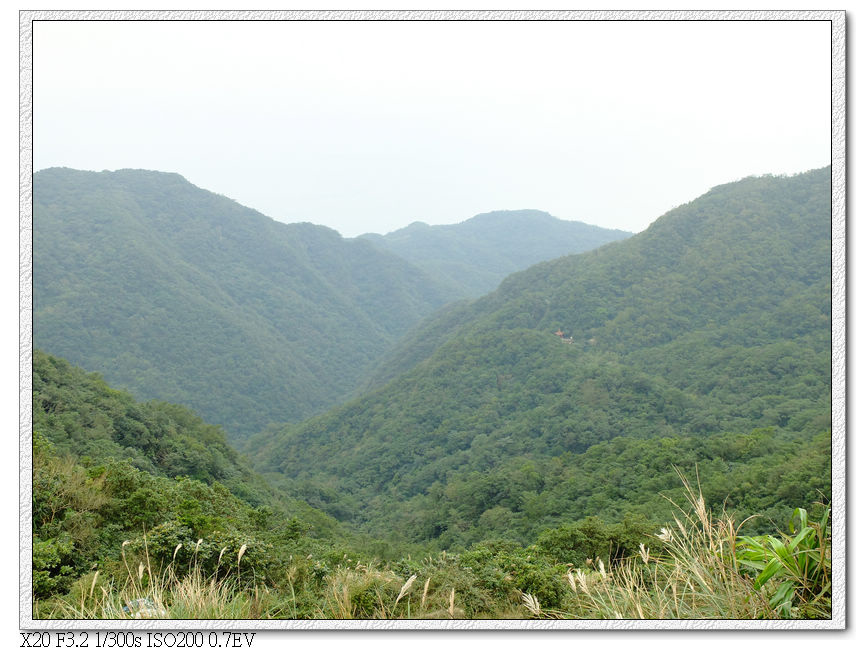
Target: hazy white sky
{"x": 368, "y": 126}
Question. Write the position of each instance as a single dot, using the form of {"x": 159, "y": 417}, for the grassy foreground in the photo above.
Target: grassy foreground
{"x": 698, "y": 567}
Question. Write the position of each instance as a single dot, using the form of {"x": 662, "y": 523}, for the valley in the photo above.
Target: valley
{"x": 340, "y": 421}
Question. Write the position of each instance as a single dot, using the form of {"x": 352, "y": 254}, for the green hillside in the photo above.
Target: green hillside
{"x": 477, "y": 254}
{"x": 503, "y": 472}
{"x": 704, "y": 340}
{"x": 179, "y": 294}
{"x": 108, "y": 468}
{"x": 122, "y": 530}
{"x": 79, "y": 415}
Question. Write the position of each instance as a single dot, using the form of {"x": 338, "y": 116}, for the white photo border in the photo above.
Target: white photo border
{"x": 839, "y": 317}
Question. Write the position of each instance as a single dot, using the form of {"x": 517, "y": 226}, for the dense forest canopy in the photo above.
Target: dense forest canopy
{"x": 176, "y": 293}
{"x": 504, "y": 452}
{"x": 121, "y": 530}
{"x": 709, "y": 331}
{"x": 179, "y": 294}
{"x": 108, "y": 468}
{"x": 475, "y": 256}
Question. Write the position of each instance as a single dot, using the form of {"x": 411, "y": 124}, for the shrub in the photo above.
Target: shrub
{"x": 507, "y": 569}
{"x": 53, "y": 566}
{"x": 796, "y": 570}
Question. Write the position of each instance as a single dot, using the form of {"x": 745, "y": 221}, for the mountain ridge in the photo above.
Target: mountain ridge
{"x": 476, "y": 254}
{"x": 712, "y": 322}
{"x": 171, "y": 291}
{"x": 140, "y": 275}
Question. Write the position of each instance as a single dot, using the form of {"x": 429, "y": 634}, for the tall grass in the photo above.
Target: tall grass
{"x": 370, "y": 592}
{"x": 147, "y": 593}
{"x": 697, "y": 568}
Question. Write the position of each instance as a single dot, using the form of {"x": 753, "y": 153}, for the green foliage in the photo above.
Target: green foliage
{"x": 592, "y": 538}
{"x": 106, "y": 479}
{"x": 796, "y": 569}
{"x": 700, "y": 343}
{"x": 79, "y": 414}
{"x": 84, "y": 518}
{"x": 689, "y": 570}
{"x": 704, "y": 340}
{"x": 502, "y": 567}
{"x": 475, "y": 256}
{"x": 176, "y": 293}
{"x": 212, "y": 555}
{"x": 53, "y": 565}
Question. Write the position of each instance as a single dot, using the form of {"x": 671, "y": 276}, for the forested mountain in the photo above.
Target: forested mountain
{"x": 132, "y": 519}
{"x": 575, "y": 388}
{"x": 78, "y": 414}
{"x": 176, "y": 293}
{"x": 107, "y": 467}
{"x": 532, "y": 434}
{"x": 477, "y": 254}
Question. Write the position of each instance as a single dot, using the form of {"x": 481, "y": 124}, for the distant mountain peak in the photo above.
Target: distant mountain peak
{"x": 526, "y": 213}
{"x": 177, "y": 293}
{"x": 475, "y": 255}
{"x": 712, "y": 326}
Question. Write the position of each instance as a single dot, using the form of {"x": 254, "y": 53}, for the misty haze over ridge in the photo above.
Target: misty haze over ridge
{"x": 176, "y": 293}
{"x": 704, "y": 340}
